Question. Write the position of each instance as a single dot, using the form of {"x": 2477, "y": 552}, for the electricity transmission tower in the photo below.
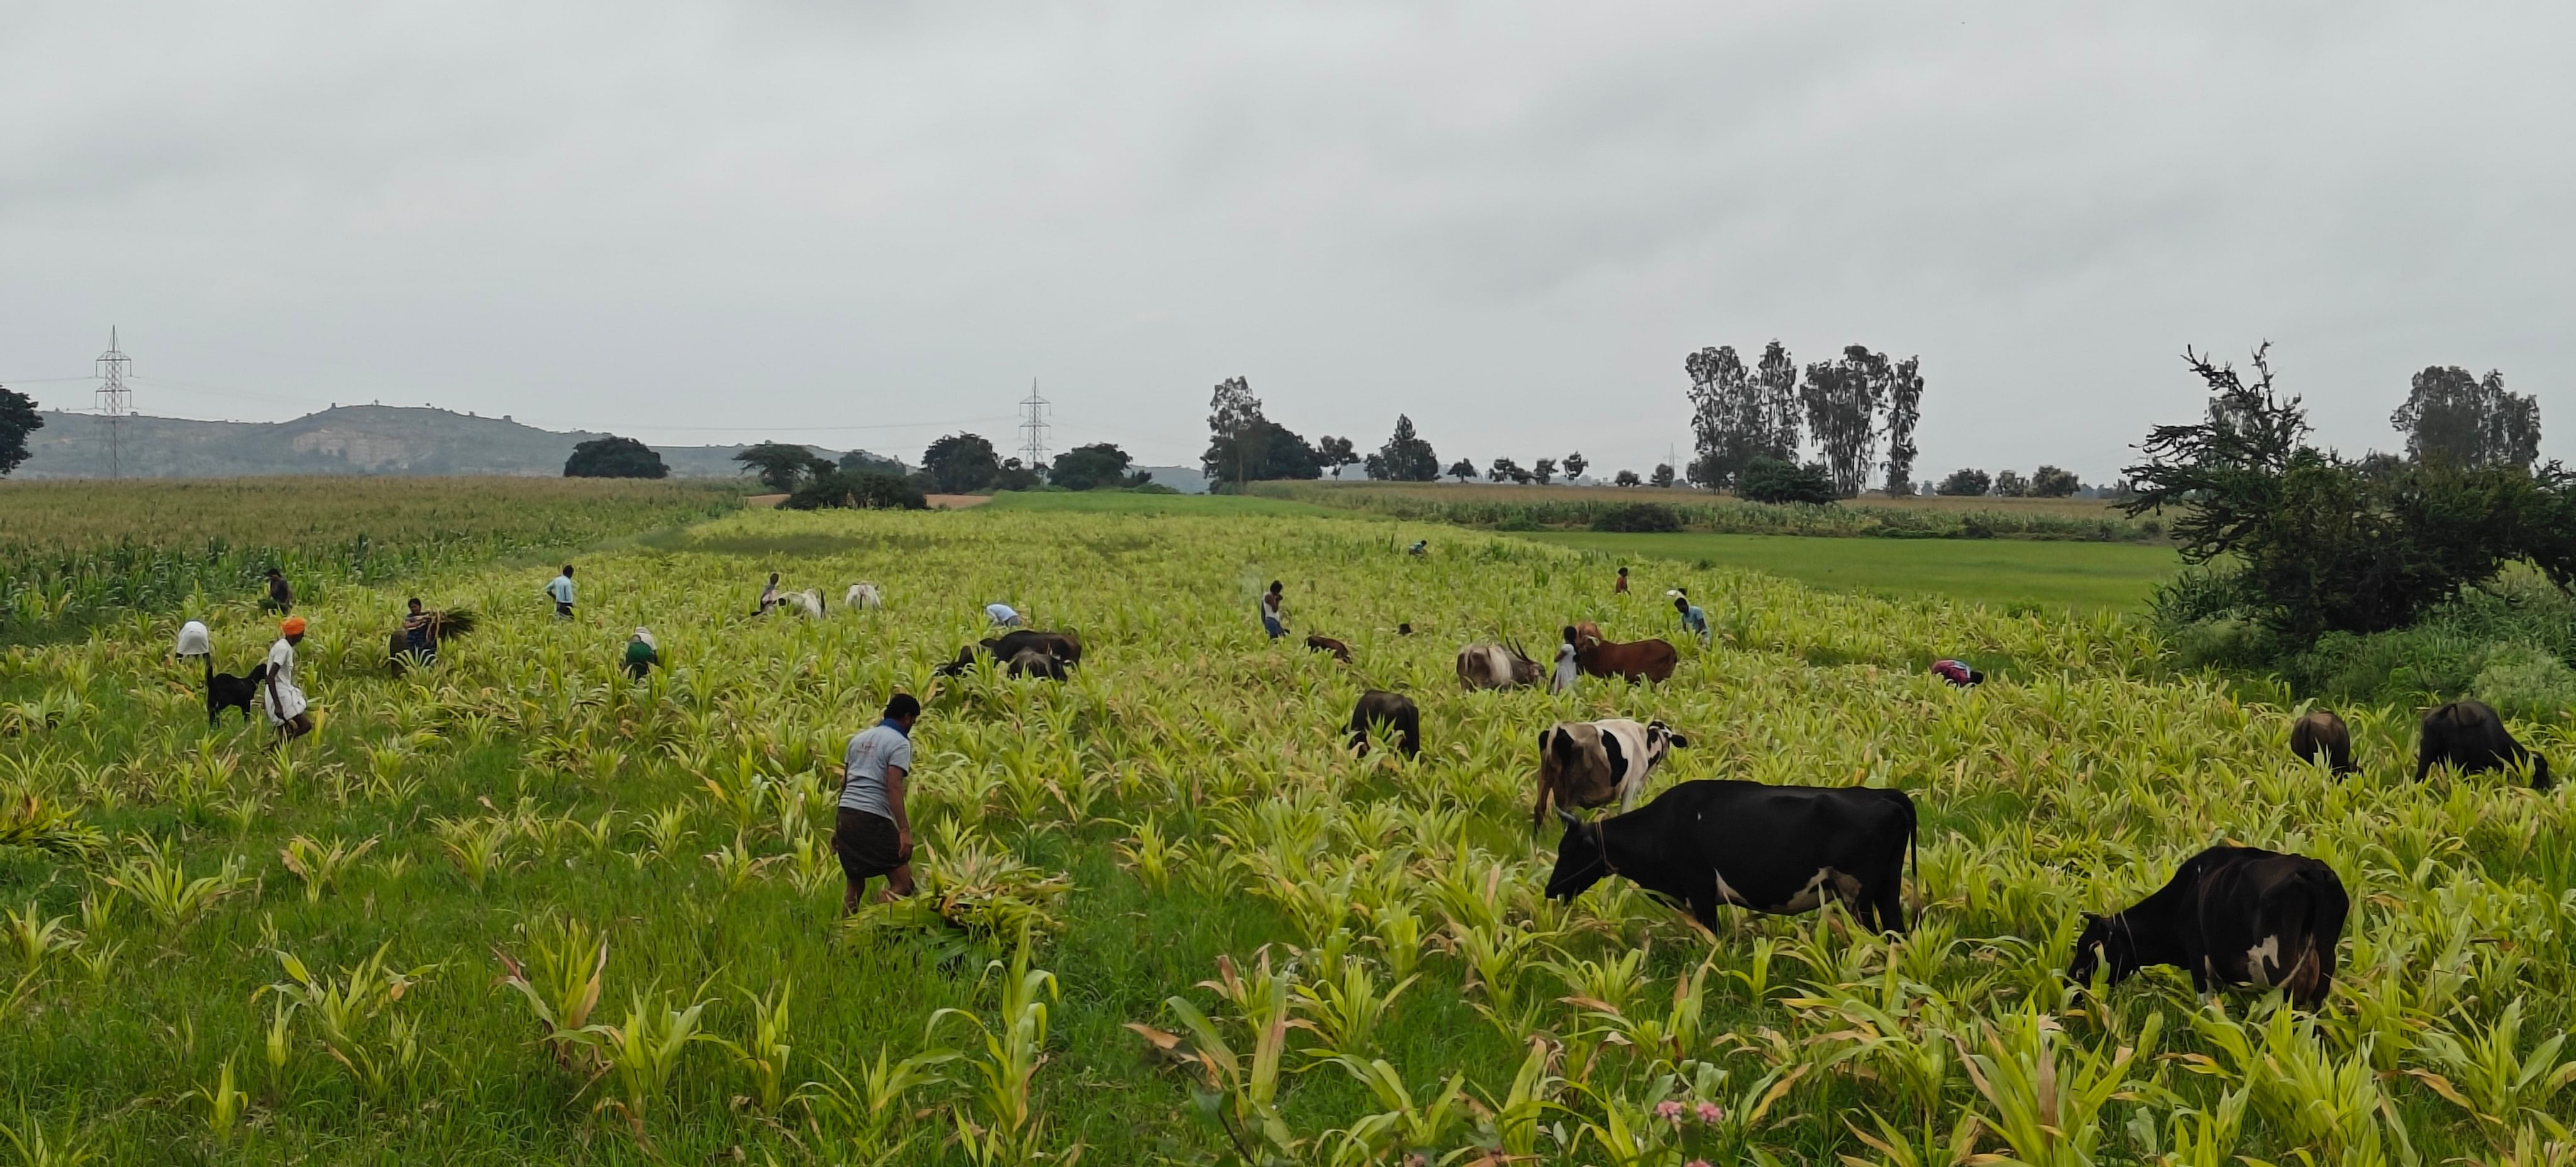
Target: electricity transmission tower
{"x": 1033, "y": 430}
{"x": 115, "y": 402}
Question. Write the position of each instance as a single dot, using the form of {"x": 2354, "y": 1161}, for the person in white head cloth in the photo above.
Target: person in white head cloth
{"x": 642, "y": 653}
{"x": 193, "y": 640}
{"x": 1562, "y": 681}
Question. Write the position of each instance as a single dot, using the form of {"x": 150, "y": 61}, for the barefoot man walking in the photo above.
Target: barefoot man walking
{"x": 872, "y": 835}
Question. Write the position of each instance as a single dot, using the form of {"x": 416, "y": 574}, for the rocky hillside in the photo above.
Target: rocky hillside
{"x": 348, "y": 439}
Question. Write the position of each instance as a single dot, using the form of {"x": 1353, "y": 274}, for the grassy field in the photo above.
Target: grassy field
{"x": 1169, "y": 919}
{"x": 2005, "y": 573}
{"x": 73, "y": 553}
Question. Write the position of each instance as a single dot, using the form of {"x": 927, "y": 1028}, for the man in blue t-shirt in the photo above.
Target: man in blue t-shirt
{"x": 871, "y": 834}
{"x": 1694, "y": 620}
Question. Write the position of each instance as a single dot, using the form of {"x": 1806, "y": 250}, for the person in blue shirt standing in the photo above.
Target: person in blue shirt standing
{"x": 871, "y": 833}
{"x": 560, "y": 588}
{"x": 1694, "y": 621}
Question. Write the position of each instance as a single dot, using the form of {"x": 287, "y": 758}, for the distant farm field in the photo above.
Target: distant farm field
{"x": 518, "y": 908}
{"x": 2078, "y": 508}
{"x": 2004, "y": 573}
{"x": 73, "y": 553}
{"x": 1563, "y": 508}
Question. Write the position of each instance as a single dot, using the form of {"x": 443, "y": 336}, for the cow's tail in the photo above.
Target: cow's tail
{"x": 2318, "y": 920}
{"x": 1538, "y": 814}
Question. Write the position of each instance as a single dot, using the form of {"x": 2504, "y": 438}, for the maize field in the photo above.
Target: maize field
{"x": 514, "y": 908}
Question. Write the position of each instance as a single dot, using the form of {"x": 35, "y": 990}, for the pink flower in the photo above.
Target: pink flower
{"x": 1709, "y": 1113}
{"x": 1669, "y": 1111}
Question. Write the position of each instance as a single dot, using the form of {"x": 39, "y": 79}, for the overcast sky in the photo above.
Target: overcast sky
{"x": 738, "y": 220}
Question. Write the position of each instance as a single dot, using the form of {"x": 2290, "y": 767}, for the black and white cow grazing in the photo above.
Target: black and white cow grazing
{"x": 2232, "y": 916}
{"x": 1592, "y": 763}
{"x": 1776, "y": 849}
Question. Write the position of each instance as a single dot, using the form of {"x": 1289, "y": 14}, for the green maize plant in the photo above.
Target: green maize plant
{"x": 645, "y": 1051}
{"x": 319, "y": 866}
{"x": 867, "y": 1114}
{"x": 223, "y": 1105}
{"x": 571, "y": 960}
{"x": 766, "y": 1052}
{"x": 162, "y": 886}
{"x": 342, "y": 1009}
{"x": 1005, "y": 1125}
{"x": 33, "y": 936}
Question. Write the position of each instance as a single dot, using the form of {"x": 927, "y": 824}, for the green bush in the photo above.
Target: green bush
{"x": 1774, "y": 481}
{"x": 863, "y": 490}
{"x": 1639, "y": 517}
{"x": 2523, "y": 681}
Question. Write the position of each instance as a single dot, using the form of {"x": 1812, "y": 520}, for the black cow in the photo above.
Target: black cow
{"x": 1065, "y": 647}
{"x": 2469, "y": 736}
{"x": 1392, "y": 711}
{"x": 1777, "y": 849}
{"x": 2234, "y": 916}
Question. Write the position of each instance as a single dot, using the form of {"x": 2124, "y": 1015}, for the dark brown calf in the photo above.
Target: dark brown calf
{"x": 2322, "y": 737}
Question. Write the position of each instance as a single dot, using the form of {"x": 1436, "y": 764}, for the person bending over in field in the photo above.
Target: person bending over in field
{"x": 768, "y": 596}
{"x": 283, "y": 700}
{"x": 559, "y": 589}
{"x": 1273, "y": 620}
{"x": 1957, "y": 673}
{"x": 1005, "y": 616}
{"x": 871, "y": 834}
{"x": 1694, "y": 619}
{"x": 281, "y": 598}
{"x": 641, "y": 654}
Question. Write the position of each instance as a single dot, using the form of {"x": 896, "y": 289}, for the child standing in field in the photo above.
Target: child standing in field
{"x": 1563, "y": 679}
{"x": 285, "y": 705}
{"x": 1274, "y": 619}
{"x": 560, "y": 590}
{"x": 281, "y": 598}
{"x": 1620, "y": 588}
{"x": 871, "y": 833}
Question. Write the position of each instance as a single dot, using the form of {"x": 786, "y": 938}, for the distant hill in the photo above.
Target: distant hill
{"x": 347, "y": 439}
{"x": 1186, "y": 479}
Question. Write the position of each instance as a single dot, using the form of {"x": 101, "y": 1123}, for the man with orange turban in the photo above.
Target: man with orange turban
{"x": 285, "y": 704}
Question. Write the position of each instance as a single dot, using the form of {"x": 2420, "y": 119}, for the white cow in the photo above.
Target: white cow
{"x": 808, "y": 602}
{"x": 863, "y": 595}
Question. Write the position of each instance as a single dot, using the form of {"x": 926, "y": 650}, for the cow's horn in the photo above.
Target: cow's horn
{"x": 1568, "y": 816}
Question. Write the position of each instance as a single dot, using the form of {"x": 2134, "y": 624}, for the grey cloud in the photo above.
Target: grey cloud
{"x": 1510, "y": 221}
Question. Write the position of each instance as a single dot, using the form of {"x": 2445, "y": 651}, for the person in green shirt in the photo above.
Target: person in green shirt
{"x": 641, "y": 654}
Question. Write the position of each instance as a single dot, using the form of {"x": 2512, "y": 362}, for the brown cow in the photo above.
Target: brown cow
{"x": 2321, "y": 736}
{"x": 1591, "y": 763}
{"x": 1341, "y": 652}
{"x": 1492, "y": 666}
{"x": 1635, "y": 660}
